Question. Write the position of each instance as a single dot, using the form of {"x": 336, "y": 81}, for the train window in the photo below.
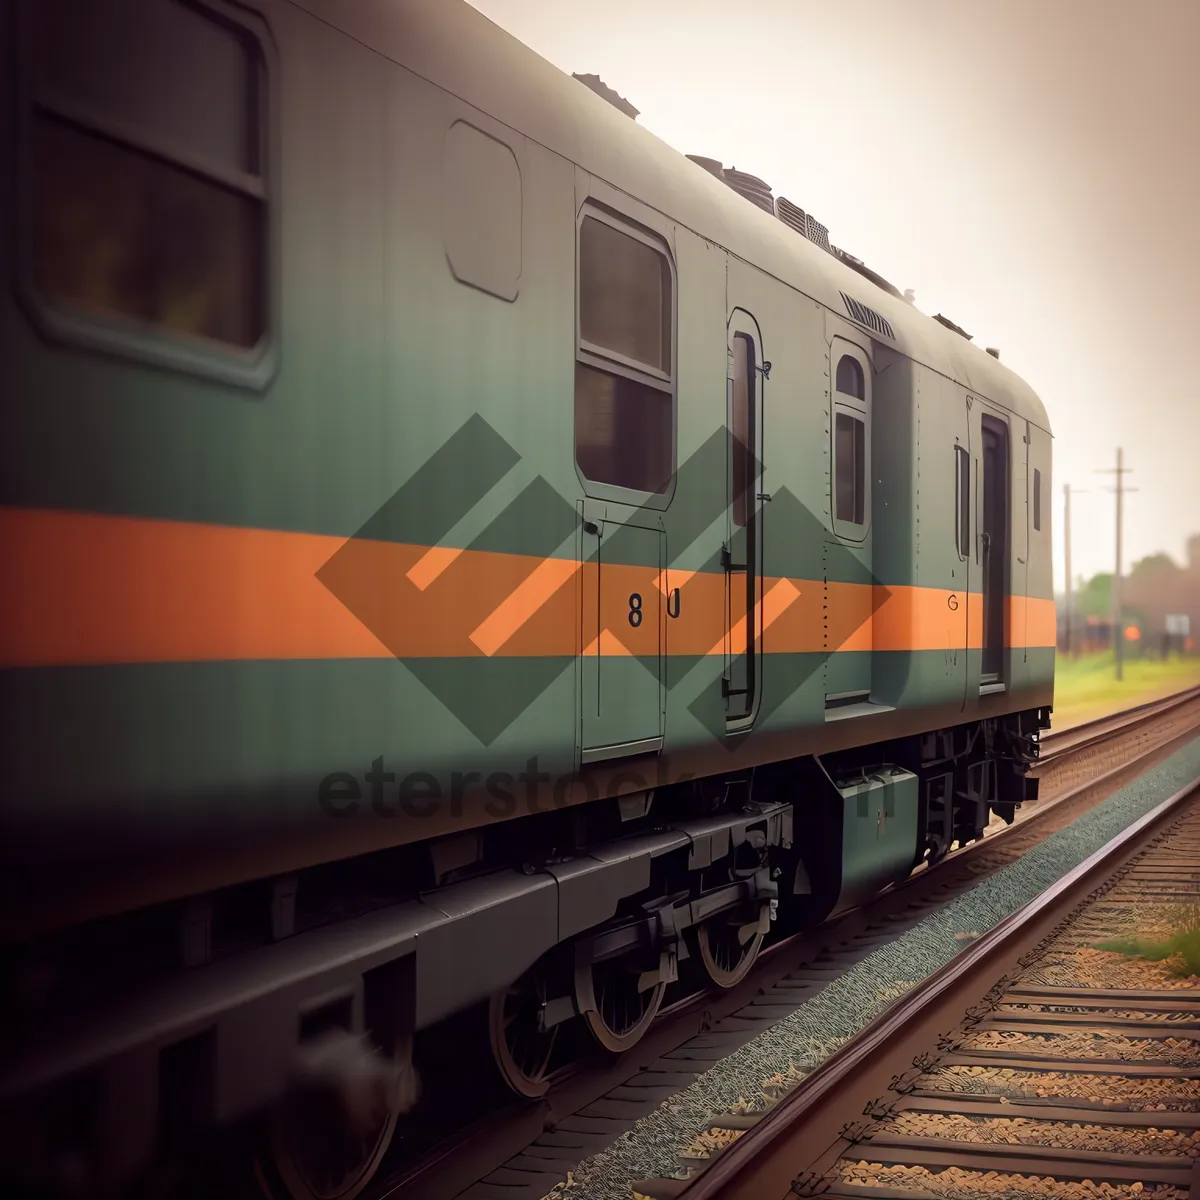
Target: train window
{"x": 1037, "y": 500}
{"x": 624, "y": 295}
{"x": 622, "y": 430}
{"x": 962, "y": 508}
{"x": 624, "y": 386}
{"x": 147, "y": 167}
{"x": 849, "y": 379}
{"x": 850, "y": 476}
{"x": 743, "y": 420}
{"x": 118, "y": 232}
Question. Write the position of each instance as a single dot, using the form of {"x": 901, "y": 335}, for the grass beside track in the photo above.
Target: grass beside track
{"x": 1086, "y": 688}
{"x": 1180, "y": 950}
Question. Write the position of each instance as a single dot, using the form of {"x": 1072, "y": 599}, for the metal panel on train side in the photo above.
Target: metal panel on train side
{"x": 722, "y": 303}
{"x": 694, "y": 522}
{"x": 922, "y": 612}
{"x": 956, "y": 534}
{"x": 899, "y": 663}
{"x": 995, "y": 453}
{"x": 450, "y": 43}
{"x": 623, "y": 540}
{"x": 387, "y": 357}
{"x": 209, "y": 717}
{"x": 847, "y": 570}
{"x": 401, "y": 327}
{"x": 1042, "y": 637}
{"x": 1034, "y": 623}
{"x": 747, "y": 382}
{"x": 788, "y": 334}
{"x": 621, "y": 653}
{"x": 879, "y": 834}
{"x": 1021, "y": 516}
{"x": 796, "y": 477}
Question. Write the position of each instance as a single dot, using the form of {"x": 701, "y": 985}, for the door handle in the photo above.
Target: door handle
{"x": 678, "y": 603}
{"x": 590, "y": 527}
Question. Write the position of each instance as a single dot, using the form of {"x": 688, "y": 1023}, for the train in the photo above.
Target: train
{"x": 462, "y": 555}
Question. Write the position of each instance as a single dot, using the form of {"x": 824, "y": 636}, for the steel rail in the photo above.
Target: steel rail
{"x": 567, "y": 1092}
{"x": 1145, "y": 714}
{"x": 1084, "y": 736}
{"x": 1040, "y": 809}
{"x": 751, "y": 1166}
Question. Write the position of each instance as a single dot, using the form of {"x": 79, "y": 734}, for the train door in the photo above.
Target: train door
{"x": 1031, "y": 509}
{"x": 961, "y": 602}
{"x": 850, "y": 599}
{"x": 625, "y": 383}
{"x": 621, "y": 659}
{"x": 993, "y": 546}
{"x": 742, "y": 552}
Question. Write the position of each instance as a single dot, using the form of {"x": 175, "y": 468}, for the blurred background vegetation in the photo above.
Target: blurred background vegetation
{"x": 1160, "y": 627}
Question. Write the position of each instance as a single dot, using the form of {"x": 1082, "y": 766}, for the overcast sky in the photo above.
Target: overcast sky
{"x": 1030, "y": 168}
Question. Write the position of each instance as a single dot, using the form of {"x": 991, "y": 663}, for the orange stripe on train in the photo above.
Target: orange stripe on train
{"x": 89, "y": 589}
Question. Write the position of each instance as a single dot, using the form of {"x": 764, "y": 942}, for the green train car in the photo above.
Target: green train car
{"x": 461, "y": 554}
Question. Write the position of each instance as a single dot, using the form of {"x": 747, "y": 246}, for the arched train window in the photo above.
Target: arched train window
{"x": 851, "y": 466}
{"x": 850, "y": 378}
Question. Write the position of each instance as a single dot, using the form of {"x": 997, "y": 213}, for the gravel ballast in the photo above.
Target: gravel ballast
{"x": 802, "y": 1041}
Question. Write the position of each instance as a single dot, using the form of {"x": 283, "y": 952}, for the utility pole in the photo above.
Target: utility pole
{"x": 1118, "y": 632}
{"x": 1070, "y": 622}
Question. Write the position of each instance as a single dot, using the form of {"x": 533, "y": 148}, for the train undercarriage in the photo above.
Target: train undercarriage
{"x": 307, "y": 998}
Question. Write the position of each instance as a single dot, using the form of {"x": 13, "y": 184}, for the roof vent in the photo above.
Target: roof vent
{"x": 753, "y": 188}
{"x": 803, "y": 223}
{"x": 868, "y": 317}
{"x": 711, "y": 165}
{"x": 857, "y": 264}
{"x": 994, "y": 353}
{"x": 602, "y": 90}
{"x": 949, "y": 324}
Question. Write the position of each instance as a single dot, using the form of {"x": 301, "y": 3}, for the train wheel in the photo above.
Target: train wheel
{"x": 522, "y": 1051}
{"x": 725, "y": 956}
{"x": 623, "y": 1012}
{"x": 321, "y": 1148}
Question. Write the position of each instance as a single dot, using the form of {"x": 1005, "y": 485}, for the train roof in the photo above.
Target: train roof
{"x": 459, "y": 49}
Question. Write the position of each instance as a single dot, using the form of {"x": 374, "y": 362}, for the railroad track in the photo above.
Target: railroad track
{"x": 1073, "y": 761}
{"x": 1031, "y": 1064}
{"x": 520, "y": 1151}
{"x": 1060, "y": 745}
